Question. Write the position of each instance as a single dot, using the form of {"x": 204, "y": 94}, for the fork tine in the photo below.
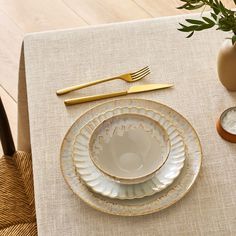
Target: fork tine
{"x": 139, "y": 73}
{"x": 140, "y": 77}
{"x": 144, "y": 68}
{"x": 142, "y": 74}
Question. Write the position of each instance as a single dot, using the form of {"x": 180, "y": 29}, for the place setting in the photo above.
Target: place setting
{"x": 127, "y": 156}
{"x": 126, "y": 128}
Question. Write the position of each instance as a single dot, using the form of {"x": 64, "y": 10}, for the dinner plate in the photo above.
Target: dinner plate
{"x": 139, "y": 206}
{"x": 106, "y": 186}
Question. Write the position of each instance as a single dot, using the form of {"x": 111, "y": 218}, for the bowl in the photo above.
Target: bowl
{"x": 226, "y": 125}
{"x": 129, "y": 148}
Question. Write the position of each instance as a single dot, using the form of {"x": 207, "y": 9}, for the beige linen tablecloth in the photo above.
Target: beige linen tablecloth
{"x": 58, "y": 59}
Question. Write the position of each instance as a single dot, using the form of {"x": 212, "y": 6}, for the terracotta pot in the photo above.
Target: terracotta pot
{"x": 227, "y": 65}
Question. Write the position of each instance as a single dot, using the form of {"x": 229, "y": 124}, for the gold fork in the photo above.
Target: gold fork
{"x": 129, "y": 77}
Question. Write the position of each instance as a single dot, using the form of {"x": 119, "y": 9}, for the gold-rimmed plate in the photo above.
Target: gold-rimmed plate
{"x": 100, "y": 182}
{"x": 144, "y": 205}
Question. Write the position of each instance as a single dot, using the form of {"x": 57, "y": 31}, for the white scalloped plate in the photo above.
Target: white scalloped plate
{"x": 104, "y": 185}
{"x": 138, "y": 206}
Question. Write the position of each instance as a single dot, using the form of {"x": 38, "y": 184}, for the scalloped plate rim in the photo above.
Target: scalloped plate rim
{"x": 143, "y": 195}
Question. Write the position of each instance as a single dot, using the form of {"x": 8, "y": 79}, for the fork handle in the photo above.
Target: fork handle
{"x": 76, "y": 87}
{"x": 73, "y": 101}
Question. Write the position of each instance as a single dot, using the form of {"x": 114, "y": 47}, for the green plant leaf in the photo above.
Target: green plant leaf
{"x": 214, "y": 16}
{"x": 191, "y": 5}
{"x": 183, "y": 6}
{"x": 222, "y": 17}
{"x": 222, "y": 9}
{"x": 209, "y": 21}
{"x": 190, "y": 35}
{"x": 187, "y": 28}
{"x": 196, "y": 22}
{"x": 194, "y": 7}
{"x": 215, "y": 9}
{"x": 233, "y": 39}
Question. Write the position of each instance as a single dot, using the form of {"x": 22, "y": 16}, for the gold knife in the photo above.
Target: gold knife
{"x": 133, "y": 89}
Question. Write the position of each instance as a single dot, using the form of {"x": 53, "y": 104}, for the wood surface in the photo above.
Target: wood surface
{"x": 18, "y": 17}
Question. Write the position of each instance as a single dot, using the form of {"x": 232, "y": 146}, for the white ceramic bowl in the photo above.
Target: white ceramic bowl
{"x": 129, "y": 148}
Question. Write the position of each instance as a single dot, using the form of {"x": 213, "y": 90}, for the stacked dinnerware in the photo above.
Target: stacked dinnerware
{"x": 131, "y": 157}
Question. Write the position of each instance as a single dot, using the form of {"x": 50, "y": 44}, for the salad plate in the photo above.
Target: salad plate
{"x": 106, "y": 186}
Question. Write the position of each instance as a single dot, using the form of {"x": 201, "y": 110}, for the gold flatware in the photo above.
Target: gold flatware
{"x": 133, "y": 89}
{"x": 129, "y": 77}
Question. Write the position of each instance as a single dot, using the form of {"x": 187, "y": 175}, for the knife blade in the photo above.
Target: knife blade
{"x": 147, "y": 87}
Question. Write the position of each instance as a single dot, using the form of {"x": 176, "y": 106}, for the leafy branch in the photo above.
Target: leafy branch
{"x": 221, "y": 17}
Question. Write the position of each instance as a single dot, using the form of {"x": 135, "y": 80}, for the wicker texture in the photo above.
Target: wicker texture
{"x": 26, "y": 229}
{"x": 17, "y": 210}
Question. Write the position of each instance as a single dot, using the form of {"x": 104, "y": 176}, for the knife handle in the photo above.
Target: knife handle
{"x": 73, "y": 101}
